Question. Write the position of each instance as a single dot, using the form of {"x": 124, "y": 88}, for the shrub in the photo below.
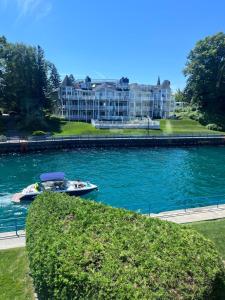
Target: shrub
{"x": 80, "y": 249}
{"x": 3, "y": 138}
{"x": 13, "y": 113}
{"x": 190, "y": 112}
{"x": 38, "y": 133}
{"x": 214, "y": 127}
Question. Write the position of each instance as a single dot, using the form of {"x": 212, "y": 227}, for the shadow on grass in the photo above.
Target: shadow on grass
{"x": 54, "y": 124}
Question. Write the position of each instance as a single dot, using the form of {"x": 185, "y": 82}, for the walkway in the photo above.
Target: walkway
{"x": 10, "y": 240}
{"x": 205, "y": 213}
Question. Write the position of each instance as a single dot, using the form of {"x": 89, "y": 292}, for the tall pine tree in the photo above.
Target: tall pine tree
{"x": 54, "y": 78}
{"x": 26, "y": 81}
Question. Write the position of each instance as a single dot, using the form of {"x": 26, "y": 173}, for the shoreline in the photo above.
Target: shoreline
{"x": 76, "y": 142}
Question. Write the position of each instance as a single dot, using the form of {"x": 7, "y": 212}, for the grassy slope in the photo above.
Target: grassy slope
{"x": 15, "y": 282}
{"x": 183, "y": 126}
{"x": 215, "y": 231}
{"x": 62, "y": 127}
{"x": 81, "y": 128}
{"x": 167, "y": 127}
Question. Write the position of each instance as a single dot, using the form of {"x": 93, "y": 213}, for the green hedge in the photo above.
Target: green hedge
{"x": 80, "y": 249}
{"x": 214, "y": 127}
{"x": 38, "y": 133}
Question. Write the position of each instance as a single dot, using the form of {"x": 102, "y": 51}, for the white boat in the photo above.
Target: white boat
{"x": 54, "y": 182}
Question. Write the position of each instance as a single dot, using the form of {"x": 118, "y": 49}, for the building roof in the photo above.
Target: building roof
{"x": 166, "y": 84}
{"x": 67, "y": 81}
{"x": 98, "y": 85}
{"x": 105, "y": 86}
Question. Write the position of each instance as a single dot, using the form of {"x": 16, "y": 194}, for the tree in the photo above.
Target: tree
{"x": 19, "y": 86}
{"x": 179, "y": 96}
{"x": 205, "y": 72}
{"x": 27, "y": 81}
{"x": 41, "y": 80}
{"x": 3, "y": 43}
{"x": 53, "y": 85}
{"x": 54, "y": 78}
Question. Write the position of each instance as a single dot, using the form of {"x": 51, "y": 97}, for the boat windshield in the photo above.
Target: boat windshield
{"x": 54, "y": 185}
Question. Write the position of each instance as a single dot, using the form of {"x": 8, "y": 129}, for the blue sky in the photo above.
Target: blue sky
{"x": 140, "y": 39}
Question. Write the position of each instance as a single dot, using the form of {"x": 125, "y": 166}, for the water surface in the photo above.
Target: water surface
{"x": 152, "y": 179}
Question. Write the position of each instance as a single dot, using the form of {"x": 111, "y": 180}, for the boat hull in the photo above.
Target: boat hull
{"x": 19, "y": 197}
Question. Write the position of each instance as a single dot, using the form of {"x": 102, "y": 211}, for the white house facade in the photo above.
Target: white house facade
{"x": 83, "y": 100}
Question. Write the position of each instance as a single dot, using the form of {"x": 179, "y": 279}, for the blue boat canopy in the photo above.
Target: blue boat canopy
{"x": 54, "y": 176}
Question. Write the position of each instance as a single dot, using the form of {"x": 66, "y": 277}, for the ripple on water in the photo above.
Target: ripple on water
{"x": 133, "y": 178}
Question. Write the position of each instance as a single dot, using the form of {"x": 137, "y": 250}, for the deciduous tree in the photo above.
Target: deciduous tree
{"x": 205, "y": 71}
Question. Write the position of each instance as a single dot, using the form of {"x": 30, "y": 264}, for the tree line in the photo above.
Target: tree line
{"x": 205, "y": 84}
{"x": 28, "y": 82}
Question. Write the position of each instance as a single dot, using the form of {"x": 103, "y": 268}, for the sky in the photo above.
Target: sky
{"x": 138, "y": 39}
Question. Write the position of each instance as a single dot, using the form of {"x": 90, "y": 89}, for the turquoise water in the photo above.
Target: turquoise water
{"x": 138, "y": 179}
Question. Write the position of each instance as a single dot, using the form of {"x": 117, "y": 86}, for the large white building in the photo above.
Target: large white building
{"x": 88, "y": 99}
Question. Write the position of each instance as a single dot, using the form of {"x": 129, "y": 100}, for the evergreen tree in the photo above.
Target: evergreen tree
{"x": 54, "y": 78}
{"x": 26, "y": 81}
{"x": 53, "y": 85}
{"x": 42, "y": 82}
{"x": 3, "y": 43}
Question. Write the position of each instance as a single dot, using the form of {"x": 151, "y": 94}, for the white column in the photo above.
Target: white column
{"x": 78, "y": 104}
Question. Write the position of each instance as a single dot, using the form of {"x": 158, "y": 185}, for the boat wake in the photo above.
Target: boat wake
{"x": 5, "y": 199}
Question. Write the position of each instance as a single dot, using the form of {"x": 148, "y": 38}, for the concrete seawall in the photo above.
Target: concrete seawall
{"x": 22, "y": 146}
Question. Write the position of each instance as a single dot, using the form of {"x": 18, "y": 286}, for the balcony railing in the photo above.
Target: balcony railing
{"x": 146, "y": 123}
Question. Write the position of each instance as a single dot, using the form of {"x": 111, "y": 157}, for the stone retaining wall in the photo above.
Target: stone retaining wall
{"x": 103, "y": 142}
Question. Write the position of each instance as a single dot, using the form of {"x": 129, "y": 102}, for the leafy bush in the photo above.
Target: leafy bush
{"x": 3, "y": 138}
{"x": 80, "y": 249}
{"x": 190, "y": 112}
{"x": 214, "y": 127}
{"x": 38, "y": 133}
{"x": 55, "y": 118}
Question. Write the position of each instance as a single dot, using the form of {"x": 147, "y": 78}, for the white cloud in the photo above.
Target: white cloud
{"x": 35, "y": 8}
{"x": 26, "y": 6}
{"x": 46, "y": 9}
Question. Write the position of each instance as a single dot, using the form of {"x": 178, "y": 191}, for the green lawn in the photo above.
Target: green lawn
{"x": 215, "y": 231}
{"x": 15, "y": 283}
{"x": 81, "y": 128}
{"x": 62, "y": 127}
{"x": 183, "y": 126}
{"x": 166, "y": 127}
